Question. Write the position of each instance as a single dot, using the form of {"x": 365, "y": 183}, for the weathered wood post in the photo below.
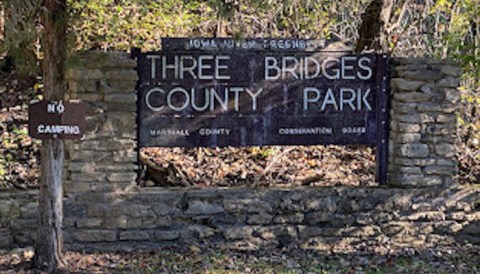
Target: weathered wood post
{"x": 49, "y": 241}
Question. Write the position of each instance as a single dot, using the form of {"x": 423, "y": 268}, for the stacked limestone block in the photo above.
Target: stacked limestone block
{"x": 423, "y": 122}
{"x": 105, "y": 159}
{"x": 18, "y": 218}
{"x": 327, "y": 219}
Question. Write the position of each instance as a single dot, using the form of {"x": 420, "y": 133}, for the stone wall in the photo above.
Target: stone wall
{"x": 322, "y": 218}
{"x": 104, "y": 209}
{"x": 423, "y": 122}
{"x": 331, "y": 218}
{"x": 18, "y": 212}
{"x": 106, "y": 158}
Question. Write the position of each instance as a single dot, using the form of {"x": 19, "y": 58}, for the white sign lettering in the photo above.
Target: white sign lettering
{"x": 189, "y": 67}
{"x": 179, "y": 99}
{"x": 58, "y": 129}
{"x": 55, "y": 107}
{"x": 300, "y": 68}
{"x": 338, "y": 100}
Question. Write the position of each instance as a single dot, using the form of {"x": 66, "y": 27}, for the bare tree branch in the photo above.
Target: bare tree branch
{"x": 399, "y": 19}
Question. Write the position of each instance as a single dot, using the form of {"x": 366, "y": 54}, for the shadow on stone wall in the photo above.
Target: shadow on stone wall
{"x": 340, "y": 219}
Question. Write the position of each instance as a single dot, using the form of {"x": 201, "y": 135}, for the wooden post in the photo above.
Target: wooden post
{"x": 49, "y": 241}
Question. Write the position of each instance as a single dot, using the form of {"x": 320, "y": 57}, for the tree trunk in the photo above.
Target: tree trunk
{"x": 49, "y": 241}
{"x": 2, "y": 21}
{"x": 372, "y": 28}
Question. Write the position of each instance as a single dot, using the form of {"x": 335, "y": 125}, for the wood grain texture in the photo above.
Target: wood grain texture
{"x": 49, "y": 244}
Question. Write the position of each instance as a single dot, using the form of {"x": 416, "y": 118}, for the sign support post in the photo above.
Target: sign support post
{"x": 381, "y": 159}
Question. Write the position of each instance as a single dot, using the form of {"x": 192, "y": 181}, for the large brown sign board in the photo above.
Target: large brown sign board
{"x": 221, "y": 92}
{"x": 51, "y": 120}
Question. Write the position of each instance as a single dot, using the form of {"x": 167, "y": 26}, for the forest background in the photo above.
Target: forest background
{"x": 411, "y": 28}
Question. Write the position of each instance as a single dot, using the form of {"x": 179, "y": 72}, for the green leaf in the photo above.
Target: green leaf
{"x": 22, "y": 131}
{"x": 2, "y": 170}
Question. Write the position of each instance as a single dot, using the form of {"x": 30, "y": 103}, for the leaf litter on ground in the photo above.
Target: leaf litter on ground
{"x": 456, "y": 258}
{"x": 259, "y": 166}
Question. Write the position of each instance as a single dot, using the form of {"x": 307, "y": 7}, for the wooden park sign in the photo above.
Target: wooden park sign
{"x": 222, "y": 92}
{"x": 52, "y": 119}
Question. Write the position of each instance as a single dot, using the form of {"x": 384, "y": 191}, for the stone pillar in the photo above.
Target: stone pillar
{"x": 424, "y": 99}
{"x": 106, "y": 158}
